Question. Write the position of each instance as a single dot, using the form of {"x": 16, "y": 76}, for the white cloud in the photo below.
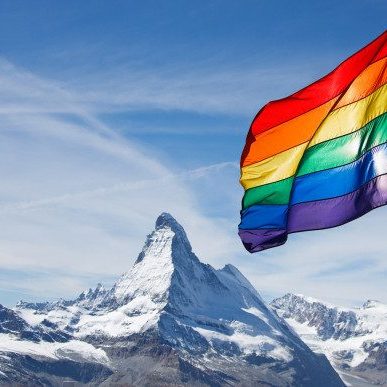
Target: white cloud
{"x": 77, "y": 199}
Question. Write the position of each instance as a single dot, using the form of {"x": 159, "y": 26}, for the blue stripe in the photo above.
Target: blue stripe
{"x": 264, "y": 216}
{"x": 318, "y": 186}
{"x": 341, "y": 180}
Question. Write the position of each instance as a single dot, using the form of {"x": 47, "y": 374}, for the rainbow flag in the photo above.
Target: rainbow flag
{"x": 318, "y": 158}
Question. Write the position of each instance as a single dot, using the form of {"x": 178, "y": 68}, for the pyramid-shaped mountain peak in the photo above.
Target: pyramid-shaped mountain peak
{"x": 169, "y": 238}
{"x": 166, "y": 251}
{"x": 166, "y": 219}
{"x": 212, "y": 320}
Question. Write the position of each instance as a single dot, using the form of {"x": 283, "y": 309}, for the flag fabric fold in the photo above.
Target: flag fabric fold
{"x": 318, "y": 158}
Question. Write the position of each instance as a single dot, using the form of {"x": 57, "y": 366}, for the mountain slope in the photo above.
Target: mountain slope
{"x": 354, "y": 340}
{"x": 172, "y": 320}
{"x": 28, "y": 352}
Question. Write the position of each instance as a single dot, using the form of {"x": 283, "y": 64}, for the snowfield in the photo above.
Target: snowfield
{"x": 349, "y": 337}
{"x": 73, "y": 349}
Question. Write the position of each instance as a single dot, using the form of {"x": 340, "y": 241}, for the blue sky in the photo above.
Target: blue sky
{"x": 112, "y": 112}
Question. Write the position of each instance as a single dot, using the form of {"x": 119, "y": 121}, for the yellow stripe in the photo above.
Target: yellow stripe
{"x": 339, "y": 122}
{"x": 274, "y": 168}
{"x": 352, "y": 117}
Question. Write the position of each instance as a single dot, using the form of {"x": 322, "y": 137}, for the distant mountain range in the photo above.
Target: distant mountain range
{"x": 169, "y": 320}
{"x": 354, "y": 340}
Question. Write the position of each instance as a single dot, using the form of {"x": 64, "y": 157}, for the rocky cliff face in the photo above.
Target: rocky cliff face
{"x": 354, "y": 340}
{"x": 169, "y": 320}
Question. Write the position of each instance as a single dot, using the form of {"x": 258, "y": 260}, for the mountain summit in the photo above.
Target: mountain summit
{"x": 166, "y": 250}
{"x": 169, "y": 320}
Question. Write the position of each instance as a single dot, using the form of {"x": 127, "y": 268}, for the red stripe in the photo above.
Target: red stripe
{"x": 319, "y": 92}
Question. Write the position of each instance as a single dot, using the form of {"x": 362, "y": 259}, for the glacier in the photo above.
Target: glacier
{"x": 353, "y": 339}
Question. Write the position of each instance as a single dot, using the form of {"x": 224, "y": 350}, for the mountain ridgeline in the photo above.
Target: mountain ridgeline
{"x": 353, "y": 339}
{"x": 169, "y": 320}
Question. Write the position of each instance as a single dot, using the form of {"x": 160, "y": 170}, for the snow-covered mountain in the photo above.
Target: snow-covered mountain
{"x": 354, "y": 340}
{"x": 169, "y": 320}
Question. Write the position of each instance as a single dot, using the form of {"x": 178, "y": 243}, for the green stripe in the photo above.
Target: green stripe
{"x": 326, "y": 155}
{"x": 345, "y": 149}
{"x": 273, "y": 193}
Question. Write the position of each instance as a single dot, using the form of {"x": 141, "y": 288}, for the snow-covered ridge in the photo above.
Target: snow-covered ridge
{"x": 168, "y": 287}
{"x": 166, "y": 277}
{"x": 349, "y": 337}
{"x": 334, "y": 322}
{"x": 169, "y": 298}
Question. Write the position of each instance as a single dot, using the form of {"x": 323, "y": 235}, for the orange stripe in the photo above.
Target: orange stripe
{"x": 300, "y": 129}
{"x": 366, "y": 83}
{"x": 287, "y": 135}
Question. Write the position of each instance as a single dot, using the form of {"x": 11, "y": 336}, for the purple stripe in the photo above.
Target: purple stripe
{"x": 320, "y": 214}
{"x": 337, "y": 211}
{"x": 257, "y": 240}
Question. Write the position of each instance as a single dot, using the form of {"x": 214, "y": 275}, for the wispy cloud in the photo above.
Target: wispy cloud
{"x": 78, "y": 197}
{"x": 215, "y": 89}
{"x": 208, "y": 87}
{"x": 183, "y": 176}
{"x": 348, "y": 268}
